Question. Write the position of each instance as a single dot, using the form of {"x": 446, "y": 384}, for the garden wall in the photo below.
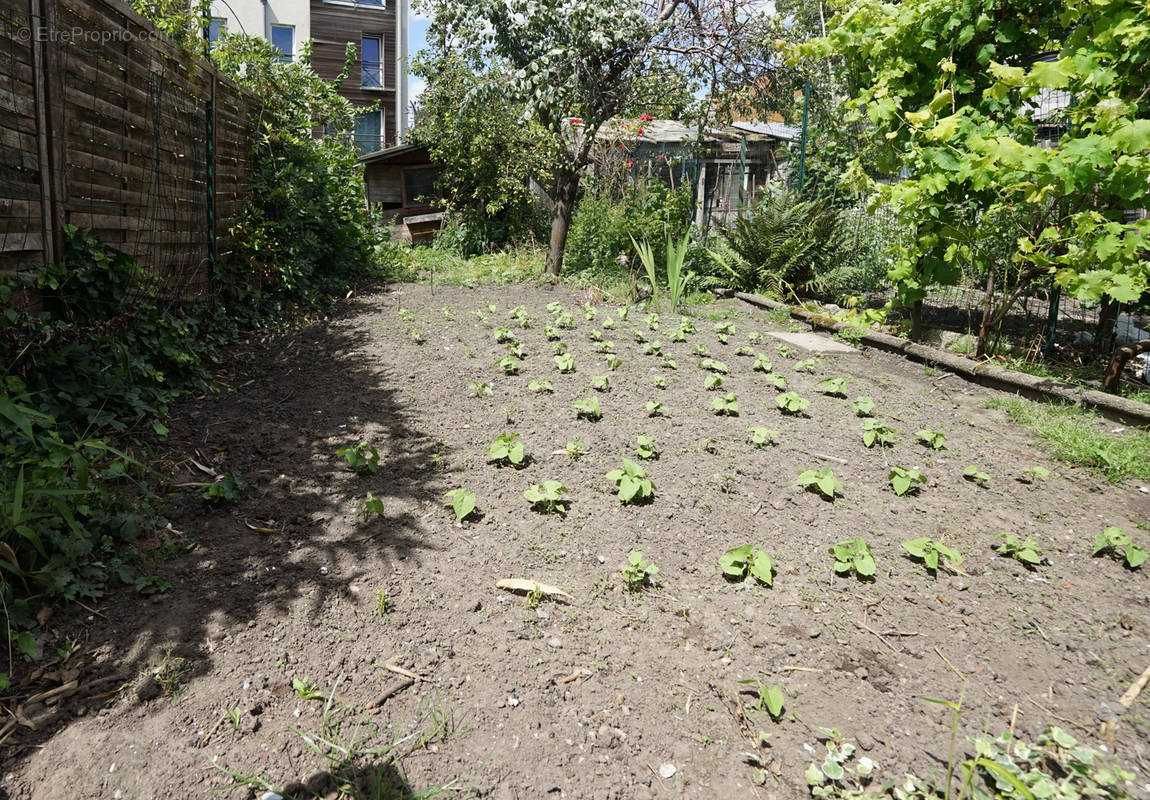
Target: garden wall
{"x": 107, "y": 124}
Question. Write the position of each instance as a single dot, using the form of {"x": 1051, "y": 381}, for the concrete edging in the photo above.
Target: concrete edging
{"x": 1120, "y": 409}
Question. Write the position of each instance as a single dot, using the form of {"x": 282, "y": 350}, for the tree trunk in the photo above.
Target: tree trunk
{"x": 565, "y": 192}
{"x": 916, "y": 321}
{"x": 1104, "y": 334}
{"x": 1118, "y": 359}
{"x": 987, "y": 314}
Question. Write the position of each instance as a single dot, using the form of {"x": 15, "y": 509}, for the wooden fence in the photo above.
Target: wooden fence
{"x": 107, "y": 124}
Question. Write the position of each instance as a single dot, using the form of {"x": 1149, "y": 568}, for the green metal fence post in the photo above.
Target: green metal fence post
{"x": 803, "y": 140}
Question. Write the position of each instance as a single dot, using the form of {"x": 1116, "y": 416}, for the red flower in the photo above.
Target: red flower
{"x": 576, "y": 121}
{"x": 659, "y": 156}
{"x": 645, "y": 118}
{"x": 640, "y": 131}
{"x": 630, "y": 164}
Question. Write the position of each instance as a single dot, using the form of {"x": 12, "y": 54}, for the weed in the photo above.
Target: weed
{"x": 646, "y": 448}
{"x": 506, "y": 450}
{"x": 863, "y": 406}
{"x": 638, "y": 573}
{"x": 932, "y": 553}
{"x": 601, "y": 383}
{"x": 791, "y": 403}
{"x": 727, "y": 405}
{"x": 740, "y": 561}
{"x": 770, "y": 698}
{"x": 224, "y": 490}
{"x": 632, "y": 483}
{"x": 462, "y": 502}
{"x": 654, "y": 408}
{"x": 762, "y": 437}
{"x": 1025, "y": 551}
{"x": 171, "y": 673}
{"x": 1117, "y": 544}
{"x": 932, "y": 439}
{"x": 875, "y": 432}
{"x": 547, "y": 497}
{"x": 905, "y": 480}
{"x": 834, "y": 387}
{"x": 713, "y": 382}
{"x": 972, "y": 473}
{"x": 479, "y": 388}
{"x": 588, "y": 409}
{"x": 565, "y": 363}
{"x": 837, "y": 777}
{"x": 853, "y": 557}
{"x": 821, "y": 481}
{"x": 541, "y": 387}
{"x": 235, "y": 716}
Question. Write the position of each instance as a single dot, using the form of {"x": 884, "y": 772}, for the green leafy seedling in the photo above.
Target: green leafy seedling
{"x": 678, "y": 336}
{"x": 745, "y": 351}
{"x": 905, "y": 480}
{"x": 863, "y": 406}
{"x": 1025, "y": 551}
{"x": 509, "y": 365}
{"x": 589, "y": 312}
{"x": 646, "y": 448}
{"x": 565, "y": 321}
{"x": 762, "y": 437}
{"x": 363, "y": 458}
{"x": 608, "y": 323}
{"x": 506, "y": 450}
{"x": 875, "y": 432}
{"x": 853, "y": 557}
{"x": 601, "y": 383}
{"x": 762, "y": 364}
{"x": 659, "y": 382}
{"x": 613, "y": 361}
{"x": 371, "y": 505}
{"x": 480, "y": 388}
{"x": 652, "y": 321}
{"x": 226, "y": 489}
{"x": 640, "y": 337}
{"x": 632, "y": 483}
{"x": 554, "y": 307}
{"x": 727, "y": 405}
{"x": 516, "y": 349}
{"x": 820, "y": 481}
{"x": 701, "y": 350}
{"x": 588, "y": 409}
{"x": 547, "y": 497}
{"x": 638, "y": 573}
{"x": 305, "y": 689}
{"x": 654, "y": 408}
{"x": 565, "y": 363}
{"x": 791, "y": 403}
{"x": 833, "y": 387}
{"x": 669, "y": 363}
{"x": 754, "y": 337}
{"x": 551, "y": 333}
{"x": 606, "y": 347}
{"x": 713, "y": 383}
{"x": 724, "y": 328}
{"x": 559, "y": 348}
{"x": 973, "y": 473}
{"x": 770, "y": 698}
{"x": 575, "y": 449}
{"x": 1033, "y": 474}
{"x": 653, "y": 348}
{"x": 785, "y": 351}
{"x": 738, "y": 562}
{"x": 711, "y": 365}
{"x": 1117, "y": 544}
{"x": 776, "y": 380}
{"x": 808, "y": 365}
{"x": 416, "y": 335}
{"x": 462, "y": 502}
{"x": 932, "y": 439}
{"x": 622, "y": 312}
{"x": 503, "y": 335}
{"x": 932, "y": 553}
{"x": 594, "y": 335}
{"x": 541, "y": 387}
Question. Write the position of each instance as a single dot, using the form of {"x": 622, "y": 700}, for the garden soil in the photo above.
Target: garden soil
{"x": 295, "y": 622}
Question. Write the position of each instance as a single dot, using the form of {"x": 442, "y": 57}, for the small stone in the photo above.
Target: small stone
{"x": 667, "y": 770}
{"x": 513, "y": 701}
{"x": 555, "y": 642}
{"x": 814, "y": 633}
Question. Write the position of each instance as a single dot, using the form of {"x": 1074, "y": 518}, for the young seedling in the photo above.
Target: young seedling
{"x": 776, "y": 380}
{"x": 226, "y": 489}
{"x": 547, "y": 497}
{"x": 540, "y": 387}
{"x": 520, "y": 315}
{"x": 554, "y": 307}
{"x": 559, "y": 348}
{"x": 686, "y": 326}
{"x": 503, "y": 335}
{"x": 1025, "y": 551}
{"x": 589, "y": 312}
{"x": 745, "y": 351}
{"x": 932, "y": 439}
{"x": 724, "y": 328}
{"x": 738, "y": 562}
{"x": 632, "y": 483}
{"x": 808, "y": 365}
{"x": 973, "y": 473}
{"x": 863, "y": 406}
{"x": 905, "y": 480}
{"x": 646, "y": 448}
{"x": 588, "y": 409}
{"x": 770, "y": 698}
{"x": 754, "y": 337}
{"x": 1117, "y": 544}
{"x": 833, "y": 387}
{"x": 574, "y": 449}
{"x": 608, "y": 323}
{"x": 305, "y": 689}
{"x": 669, "y": 363}
{"x": 622, "y": 312}
{"x": 480, "y": 388}
{"x": 932, "y": 553}
{"x": 875, "y": 432}
{"x": 678, "y": 336}
{"x": 654, "y": 408}
{"x": 516, "y": 349}
{"x": 640, "y": 337}
{"x": 509, "y": 365}
{"x": 637, "y": 573}
{"x": 791, "y": 403}
{"x": 653, "y": 348}
{"x": 371, "y": 505}
{"x": 652, "y": 321}
{"x": 821, "y": 481}
{"x": 1033, "y": 474}
{"x": 727, "y": 405}
{"x": 659, "y": 382}
{"x": 723, "y": 338}
{"x": 762, "y": 437}
{"x": 613, "y": 362}
{"x": 565, "y": 363}
{"x": 784, "y": 351}
{"x": 594, "y": 335}
{"x": 711, "y": 365}
{"x": 701, "y": 350}
{"x": 406, "y": 315}
{"x": 462, "y": 502}
{"x": 416, "y": 335}
{"x": 853, "y": 557}
{"x": 506, "y": 450}
{"x": 601, "y": 384}
{"x": 551, "y": 333}
{"x": 565, "y": 321}
{"x": 762, "y": 364}
{"x": 363, "y": 458}
{"x": 606, "y": 347}
{"x": 713, "y": 383}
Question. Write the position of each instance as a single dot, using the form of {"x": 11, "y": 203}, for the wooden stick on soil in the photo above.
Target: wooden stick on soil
{"x": 952, "y": 666}
{"x": 398, "y": 670}
{"x": 1131, "y": 694}
{"x": 391, "y": 691}
{"x": 881, "y": 638}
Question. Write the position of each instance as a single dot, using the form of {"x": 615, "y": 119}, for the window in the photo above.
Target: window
{"x": 369, "y": 56}
{"x": 369, "y": 132}
{"x": 419, "y": 185}
{"x": 216, "y": 28}
{"x": 283, "y": 39}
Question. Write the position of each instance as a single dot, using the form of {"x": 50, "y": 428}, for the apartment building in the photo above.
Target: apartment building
{"x": 377, "y": 28}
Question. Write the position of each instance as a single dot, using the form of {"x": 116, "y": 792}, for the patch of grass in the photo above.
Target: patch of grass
{"x": 515, "y": 265}
{"x": 1081, "y": 437}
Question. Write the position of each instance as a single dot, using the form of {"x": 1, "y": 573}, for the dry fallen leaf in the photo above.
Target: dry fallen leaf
{"x": 525, "y": 586}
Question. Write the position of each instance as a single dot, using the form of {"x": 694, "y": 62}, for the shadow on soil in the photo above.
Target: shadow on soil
{"x": 285, "y": 406}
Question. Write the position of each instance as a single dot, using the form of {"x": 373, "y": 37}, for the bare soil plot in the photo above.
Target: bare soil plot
{"x": 616, "y": 694}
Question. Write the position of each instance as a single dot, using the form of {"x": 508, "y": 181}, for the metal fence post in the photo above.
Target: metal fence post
{"x": 803, "y": 141}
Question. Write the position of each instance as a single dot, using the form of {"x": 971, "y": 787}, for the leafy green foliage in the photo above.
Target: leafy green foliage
{"x": 875, "y": 432}
{"x": 602, "y": 383}
{"x": 646, "y": 448}
{"x": 509, "y": 365}
{"x": 575, "y": 449}
{"x": 503, "y": 335}
{"x": 1117, "y": 544}
{"x": 659, "y": 382}
{"x": 613, "y": 362}
{"x": 547, "y": 497}
{"x": 653, "y": 348}
{"x": 1025, "y": 551}
{"x": 565, "y": 363}
{"x": 1033, "y": 474}
{"x": 226, "y": 489}
{"x": 762, "y": 437}
{"x": 820, "y": 481}
{"x": 932, "y": 553}
{"x": 711, "y": 365}
{"x": 863, "y": 406}
{"x": 632, "y": 483}
{"x": 654, "y": 408}
{"x": 853, "y": 557}
{"x": 932, "y": 439}
{"x": 638, "y": 573}
{"x": 973, "y": 473}
{"x": 506, "y": 449}
{"x": 462, "y": 502}
{"x": 770, "y": 698}
{"x": 713, "y": 383}
{"x": 479, "y": 388}
{"x": 363, "y": 458}
{"x": 791, "y": 403}
{"x": 808, "y": 365}
{"x": 727, "y": 405}
{"x": 776, "y": 380}
{"x": 588, "y": 409}
{"x": 762, "y": 363}
{"x": 668, "y": 363}
{"x": 834, "y": 387}
{"x": 905, "y": 480}
{"x": 677, "y": 278}
{"x": 541, "y": 387}
{"x": 371, "y": 505}
{"x": 837, "y": 772}
{"x": 738, "y": 562}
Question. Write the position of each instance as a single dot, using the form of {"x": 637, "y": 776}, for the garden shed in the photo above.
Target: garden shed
{"x": 399, "y": 181}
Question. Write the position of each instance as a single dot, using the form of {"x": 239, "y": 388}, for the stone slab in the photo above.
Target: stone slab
{"x": 814, "y": 342}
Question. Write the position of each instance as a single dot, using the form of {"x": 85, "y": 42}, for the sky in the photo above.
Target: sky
{"x": 416, "y": 41}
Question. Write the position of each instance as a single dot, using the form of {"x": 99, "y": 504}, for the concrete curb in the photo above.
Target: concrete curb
{"x": 1120, "y": 409}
